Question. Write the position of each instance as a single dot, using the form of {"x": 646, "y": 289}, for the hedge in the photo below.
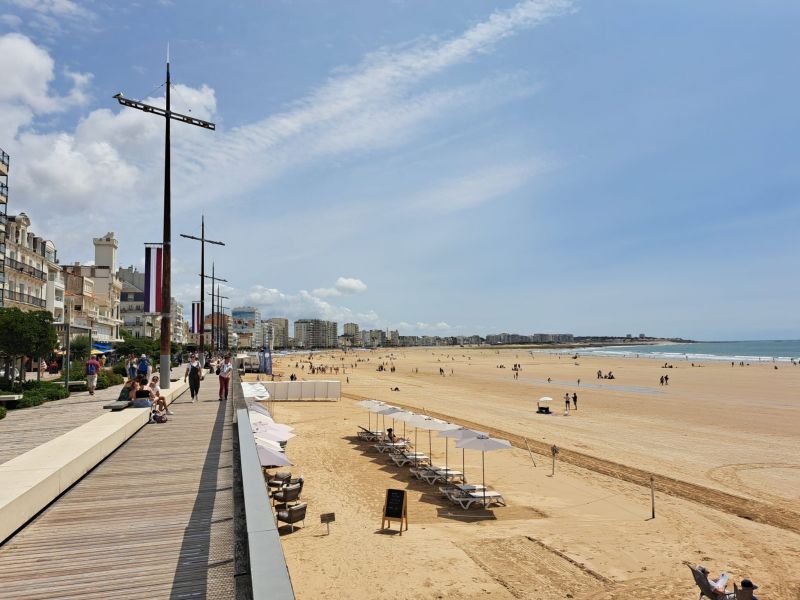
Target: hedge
{"x": 3, "y": 412}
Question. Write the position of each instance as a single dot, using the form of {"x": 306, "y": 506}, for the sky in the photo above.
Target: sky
{"x": 441, "y": 168}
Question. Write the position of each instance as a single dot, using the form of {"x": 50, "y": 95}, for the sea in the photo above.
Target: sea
{"x": 752, "y": 351}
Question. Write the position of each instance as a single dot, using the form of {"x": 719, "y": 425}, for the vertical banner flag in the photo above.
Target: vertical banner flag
{"x": 152, "y": 278}
{"x": 196, "y": 317}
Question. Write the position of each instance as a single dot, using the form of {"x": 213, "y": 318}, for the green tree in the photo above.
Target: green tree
{"x": 25, "y": 334}
{"x": 79, "y": 348}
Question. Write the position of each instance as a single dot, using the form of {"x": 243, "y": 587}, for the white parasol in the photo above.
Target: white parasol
{"x": 485, "y": 444}
{"x": 272, "y": 458}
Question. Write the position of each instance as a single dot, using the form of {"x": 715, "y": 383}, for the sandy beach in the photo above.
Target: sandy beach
{"x": 720, "y": 441}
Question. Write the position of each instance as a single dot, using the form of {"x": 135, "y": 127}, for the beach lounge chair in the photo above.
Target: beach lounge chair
{"x": 434, "y": 475}
{"x": 292, "y": 514}
{"x": 410, "y": 458}
{"x": 479, "y": 497}
{"x": 704, "y": 584}
{"x": 391, "y": 446}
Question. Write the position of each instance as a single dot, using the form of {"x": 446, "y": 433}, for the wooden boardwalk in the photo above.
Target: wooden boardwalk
{"x": 154, "y": 520}
{"x": 25, "y": 429}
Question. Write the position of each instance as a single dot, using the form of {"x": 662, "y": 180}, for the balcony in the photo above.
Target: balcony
{"x": 4, "y": 162}
{"x": 3, "y": 193}
{"x": 27, "y": 269}
{"x": 25, "y": 299}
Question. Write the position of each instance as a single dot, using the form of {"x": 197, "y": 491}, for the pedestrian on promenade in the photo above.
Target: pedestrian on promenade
{"x": 225, "y": 371}
{"x": 194, "y": 373}
{"x": 92, "y": 368}
{"x": 143, "y": 367}
{"x": 130, "y": 366}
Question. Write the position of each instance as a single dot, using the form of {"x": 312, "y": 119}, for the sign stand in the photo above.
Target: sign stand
{"x": 395, "y": 506}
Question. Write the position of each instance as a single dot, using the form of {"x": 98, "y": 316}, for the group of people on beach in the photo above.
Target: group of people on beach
{"x": 567, "y": 399}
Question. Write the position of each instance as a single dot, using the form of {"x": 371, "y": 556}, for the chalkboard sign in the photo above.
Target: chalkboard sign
{"x": 395, "y": 507}
{"x": 395, "y": 504}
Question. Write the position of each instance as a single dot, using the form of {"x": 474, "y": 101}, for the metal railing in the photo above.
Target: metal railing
{"x": 260, "y": 566}
{"x": 4, "y": 191}
{"x": 28, "y": 269}
{"x": 4, "y": 158}
{"x": 25, "y": 298}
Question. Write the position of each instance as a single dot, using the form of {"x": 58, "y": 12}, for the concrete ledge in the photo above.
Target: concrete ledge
{"x": 31, "y": 481}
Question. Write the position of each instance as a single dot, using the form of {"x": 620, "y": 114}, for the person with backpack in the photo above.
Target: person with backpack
{"x": 143, "y": 367}
{"x": 92, "y": 369}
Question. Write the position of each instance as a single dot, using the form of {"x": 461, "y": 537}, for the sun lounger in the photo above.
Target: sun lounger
{"x": 459, "y": 489}
{"x": 434, "y": 475}
{"x": 391, "y": 446}
{"x": 412, "y": 458}
{"x": 701, "y": 579}
{"x": 482, "y": 497}
{"x": 369, "y": 436}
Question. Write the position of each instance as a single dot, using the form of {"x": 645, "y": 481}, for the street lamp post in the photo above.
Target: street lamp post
{"x": 203, "y": 241}
{"x": 213, "y": 279}
{"x": 166, "y": 291}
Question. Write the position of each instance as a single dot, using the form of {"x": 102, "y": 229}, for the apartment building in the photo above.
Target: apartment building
{"x": 280, "y": 332}
{"x": 247, "y": 325}
{"x": 315, "y": 333}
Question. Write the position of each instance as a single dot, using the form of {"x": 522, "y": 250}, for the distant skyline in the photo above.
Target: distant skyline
{"x": 448, "y": 168}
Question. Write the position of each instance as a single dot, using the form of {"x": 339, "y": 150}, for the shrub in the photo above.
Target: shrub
{"x": 53, "y": 391}
{"x": 3, "y": 412}
{"x": 119, "y": 368}
{"x": 31, "y": 398}
{"x": 115, "y": 378}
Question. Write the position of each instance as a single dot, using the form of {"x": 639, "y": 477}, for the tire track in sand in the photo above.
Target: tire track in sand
{"x": 754, "y": 510}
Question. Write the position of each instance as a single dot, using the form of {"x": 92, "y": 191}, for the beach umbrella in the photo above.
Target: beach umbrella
{"x": 369, "y": 405}
{"x": 485, "y": 444}
{"x": 388, "y": 410}
{"x": 255, "y": 407}
{"x": 269, "y": 444}
{"x": 272, "y": 427}
{"x": 272, "y": 458}
{"x": 458, "y": 433}
{"x": 257, "y": 417}
{"x": 412, "y": 419}
{"x": 274, "y": 434}
{"x": 429, "y": 423}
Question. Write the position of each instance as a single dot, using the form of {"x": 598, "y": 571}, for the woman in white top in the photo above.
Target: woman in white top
{"x": 225, "y": 371}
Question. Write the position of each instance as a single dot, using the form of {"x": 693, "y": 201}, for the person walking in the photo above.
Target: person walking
{"x": 92, "y": 369}
{"x": 575, "y": 400}
{"x": 566, "y": 402}
{"x": 143, "y": 367}
{"x": 194, "y": 372}
{"x": 130, "y": 366}
{"x": 225, "y": 372}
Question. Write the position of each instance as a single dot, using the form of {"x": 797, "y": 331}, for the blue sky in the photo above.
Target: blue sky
{"x": 438, "y": 167}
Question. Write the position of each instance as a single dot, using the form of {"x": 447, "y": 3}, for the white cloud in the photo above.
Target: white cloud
{"x": 478, "y": 187}
{"x": 52, "y": 16}
{"x": 27, "y": 79}
{"x": 110, "y": 166}
{"x": 342, "y": 287}
{"x": 370, "y": 106}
